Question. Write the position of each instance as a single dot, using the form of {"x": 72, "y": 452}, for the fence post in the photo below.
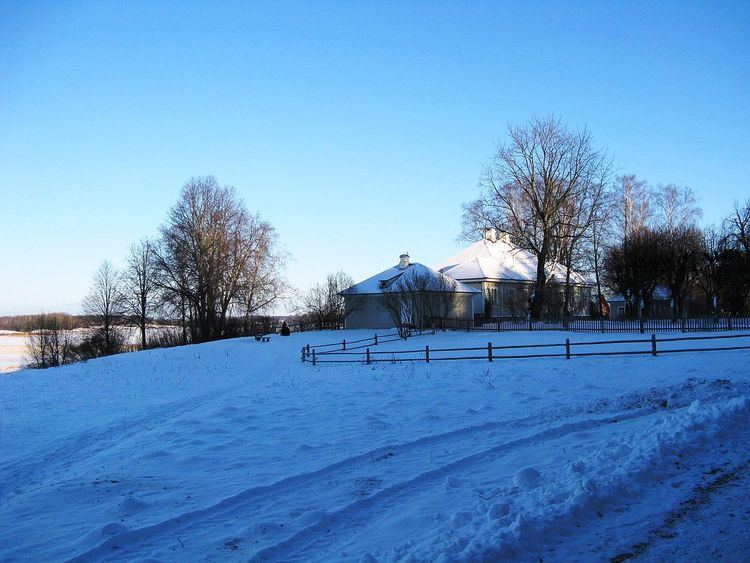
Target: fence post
{"x": 489, "y": 351}
{"x": 376, "y": 340}
{"x": 729, "y": 323}
{"x": 567, "y": 348}
{"x": 530, "y": 325}
{"x": 468, "y": 326}
{"x": 303, "y": 353}
{"x": 367, "y": 353}
{"x": 683, "y": 324}
{"x": 308, "y": 349}
{"x": 653, "y": 344}
{"x": 427, "y": 354}
{"x": 313, "y": 356}
{"x": 641, "y": 320}
{"x": 343, "y": 344}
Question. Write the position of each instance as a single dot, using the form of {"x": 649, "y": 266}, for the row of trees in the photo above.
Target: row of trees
{"x": 553, "y": 191}
{"x": 212, "y": 268}
{"x": 705, "y": 270}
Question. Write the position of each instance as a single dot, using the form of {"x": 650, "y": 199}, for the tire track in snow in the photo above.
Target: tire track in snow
{"x": 31, "y": 470}
{"x": 353, "y": 516}
{"x": 237, "y": 509}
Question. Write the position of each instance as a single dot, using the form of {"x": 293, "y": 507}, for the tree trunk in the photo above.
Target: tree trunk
{"x": 537, "y": 306}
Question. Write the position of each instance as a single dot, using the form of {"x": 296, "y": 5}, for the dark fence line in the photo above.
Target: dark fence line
{"x": 489, "y": 352}
{"x": 345, "y": 347}
{"x": 643, "y": 326}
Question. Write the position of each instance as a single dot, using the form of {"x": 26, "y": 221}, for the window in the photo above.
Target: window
{"x": 493, "y": 296}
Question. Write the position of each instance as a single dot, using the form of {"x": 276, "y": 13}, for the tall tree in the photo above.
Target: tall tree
{"x": 712, "y": 247}
{"x": 207, "y": 255}
{"x": 105, "y": 305}
{"x": 541, "y": 169}
{"x": 635, "y": 267}
{"x": 632, "y": 209}
{"x": 140, "y": 284}
{"x": 677, "y": 207}
{"x": 681, "y": 253}
{"x": 263, "y": 276}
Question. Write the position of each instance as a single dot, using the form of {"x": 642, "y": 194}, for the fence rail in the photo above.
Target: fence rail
{"x": 490, "y": 352}
{"x": 344, "y": 347}
{"x": 643, "y": 326}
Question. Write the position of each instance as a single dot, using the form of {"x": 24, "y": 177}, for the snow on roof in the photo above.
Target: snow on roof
{"x": 386, "y": 278}
{"x": 661, "y": 293}
{"x": 499, "y": 260}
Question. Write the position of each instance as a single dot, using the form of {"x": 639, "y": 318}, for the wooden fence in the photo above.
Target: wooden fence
{"x": 643, "y": 326}
{"x": 311, "y": 351}
{"x": 493, "y": 352}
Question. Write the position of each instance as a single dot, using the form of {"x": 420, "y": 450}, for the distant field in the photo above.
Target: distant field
{"x": 12, "y": 350}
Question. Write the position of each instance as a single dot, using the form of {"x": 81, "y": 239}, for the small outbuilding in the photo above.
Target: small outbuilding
{"x": 407, "y": 294}
{"x": 659, "y": 307}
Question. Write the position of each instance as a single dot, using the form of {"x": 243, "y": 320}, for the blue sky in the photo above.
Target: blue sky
{"x": 357, "y": 129}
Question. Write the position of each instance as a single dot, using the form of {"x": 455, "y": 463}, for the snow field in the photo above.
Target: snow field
{"x": 237, "y": 450}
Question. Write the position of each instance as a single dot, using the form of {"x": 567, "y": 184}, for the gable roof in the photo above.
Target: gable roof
{"x": 500, "y": 260}
{"x": 395, "y": 275}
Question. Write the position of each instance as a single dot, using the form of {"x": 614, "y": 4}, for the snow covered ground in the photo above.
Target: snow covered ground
{"x": 12, "y": 350}
{"x": 236, "y": 450}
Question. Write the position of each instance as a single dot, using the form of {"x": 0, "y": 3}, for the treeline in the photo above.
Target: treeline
{"x": 213, "y": 269}
{"x": 27, "y": 323}
{"x": 553, "y": 191}
{"x": 655, "y": 242}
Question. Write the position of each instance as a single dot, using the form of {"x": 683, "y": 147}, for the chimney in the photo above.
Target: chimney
{"x": 403, "y": 262}
{"x": 490, "y": 234}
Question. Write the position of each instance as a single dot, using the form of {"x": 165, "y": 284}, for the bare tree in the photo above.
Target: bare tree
{"x": 600, "y": 234}
{"x": 635, "y": 268}
{"x": 105, "y": 305}
{"x": 263, "y": 277}
{"x": 215, "y": 258}
{"x": 324, "y": 304}
{"x": 681, "y": 251}
{"x": 50, "y": 343}
{"x": 713, "y": 243}
{"x": 419, "y": 299}
{"x": 541, "y": 169}
{"x": 578, "y": 233}
{"x": 633, "y": 207}
{"x": 677, "y": 207}
{"x": 140, "y": 285}
{"x": 737, "y": 227}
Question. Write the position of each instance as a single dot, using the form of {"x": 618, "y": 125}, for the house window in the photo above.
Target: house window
{"x": 620, "y": 312}
{"x": 493, "y": 296}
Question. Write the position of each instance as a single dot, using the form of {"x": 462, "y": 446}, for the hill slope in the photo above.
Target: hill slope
{"x": 236, "y": 450}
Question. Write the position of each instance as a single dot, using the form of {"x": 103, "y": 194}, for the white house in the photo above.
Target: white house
{"x": 426, "y": 293}
{"x": 504, "y": 276}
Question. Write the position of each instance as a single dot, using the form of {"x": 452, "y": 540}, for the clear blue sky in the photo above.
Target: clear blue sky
{"x": 357, "y": 129}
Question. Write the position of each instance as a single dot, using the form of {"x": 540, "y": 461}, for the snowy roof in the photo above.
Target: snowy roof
{"x": 397, "y": 275}
{"x": 499, "y": 260}
{"x": 660, "y": 293}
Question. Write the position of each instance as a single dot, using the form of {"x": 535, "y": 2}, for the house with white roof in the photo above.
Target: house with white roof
{"x": 504, "y": 277}
{"x": 408, "y": 293}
